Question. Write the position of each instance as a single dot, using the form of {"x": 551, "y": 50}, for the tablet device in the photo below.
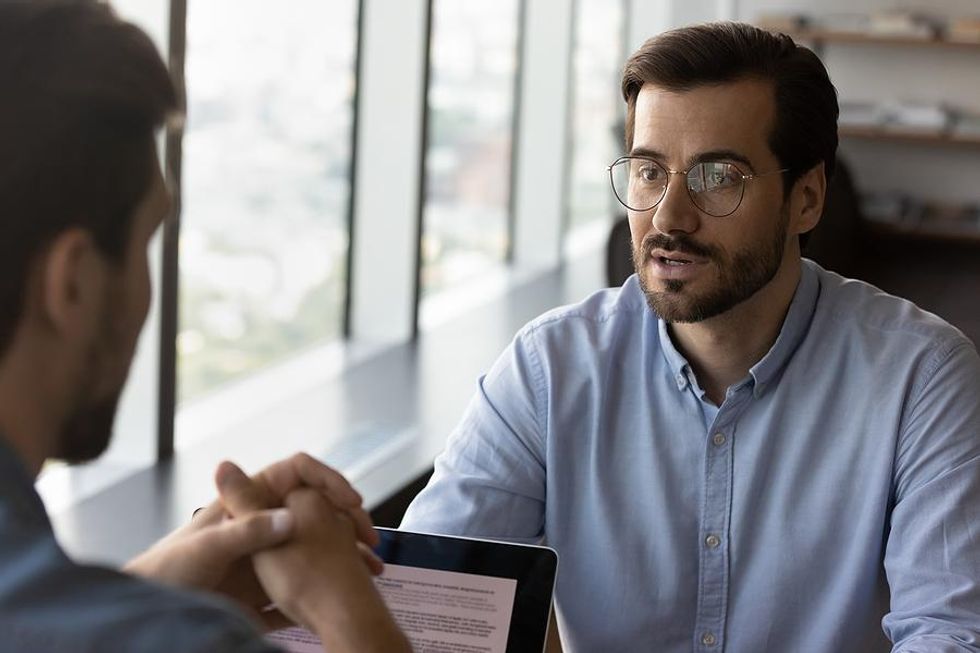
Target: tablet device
{"x": 459, "y": 595}
{"x": 499, "y": 594}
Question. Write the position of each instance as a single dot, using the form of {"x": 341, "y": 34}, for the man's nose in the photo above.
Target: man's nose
{"x": 676, "y": 212}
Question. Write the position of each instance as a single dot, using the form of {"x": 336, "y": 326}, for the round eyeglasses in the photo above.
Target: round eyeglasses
{"x": 715, "y": 187}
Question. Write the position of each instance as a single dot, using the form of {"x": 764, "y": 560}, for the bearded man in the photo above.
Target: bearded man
{"x": 737, "y": 450}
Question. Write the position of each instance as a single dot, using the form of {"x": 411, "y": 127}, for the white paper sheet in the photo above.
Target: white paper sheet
{"x": 439, "y": 611}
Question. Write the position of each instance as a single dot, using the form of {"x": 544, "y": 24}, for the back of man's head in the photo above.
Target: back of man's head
{"x": 83, "y": 94}
{"x": 805, "y": 133}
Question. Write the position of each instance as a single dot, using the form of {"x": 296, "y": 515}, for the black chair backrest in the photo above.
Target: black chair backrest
{"x": 619, "y": 253}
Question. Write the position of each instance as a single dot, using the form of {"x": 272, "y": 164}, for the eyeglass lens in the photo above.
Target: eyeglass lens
{"x": 715, "y": 187}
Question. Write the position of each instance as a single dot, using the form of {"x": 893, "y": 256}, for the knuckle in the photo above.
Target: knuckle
{"x": 345, "y": 523}
{"x": 303, "y": 498}
{"x": 305, "y": 459}
{"x": 253, "y": 526}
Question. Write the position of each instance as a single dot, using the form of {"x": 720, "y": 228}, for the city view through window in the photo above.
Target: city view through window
{"x": 267, "y": 154}
{"x": 596, "y": 108}
{"x": 471, "y": 112}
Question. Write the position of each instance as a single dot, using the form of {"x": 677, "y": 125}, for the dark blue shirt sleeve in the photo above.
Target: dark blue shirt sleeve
{"x": 49, "y": 603}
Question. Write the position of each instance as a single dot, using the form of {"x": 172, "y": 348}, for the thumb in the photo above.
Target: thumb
{"x": 243, "y": 536}
{"x": 239, "y": 494}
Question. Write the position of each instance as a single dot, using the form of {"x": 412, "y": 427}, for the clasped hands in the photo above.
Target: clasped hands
{"x": 295, "y": 537}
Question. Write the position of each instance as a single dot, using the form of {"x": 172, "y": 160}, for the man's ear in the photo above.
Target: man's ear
{"x": 808, "y": 196}
{"x": 73, "y": 276}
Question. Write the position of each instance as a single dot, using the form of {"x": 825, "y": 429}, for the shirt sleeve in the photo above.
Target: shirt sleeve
{"x": 490, "y": 479}
{"x": 49, "y": 603}
{"x": 932, "y": 552}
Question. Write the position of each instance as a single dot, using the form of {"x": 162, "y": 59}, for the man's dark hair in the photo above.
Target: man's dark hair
{"x": 805, "y": 132}
{"x": 83, "y": 94}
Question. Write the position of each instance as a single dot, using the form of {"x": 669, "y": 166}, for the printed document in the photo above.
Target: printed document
{"x": 439, "y": 611}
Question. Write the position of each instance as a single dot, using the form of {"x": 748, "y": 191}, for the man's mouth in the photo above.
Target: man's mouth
{"x": 676, "y": 266}
{"x": 674, "y": 258}
{"x": 674, "y": 261}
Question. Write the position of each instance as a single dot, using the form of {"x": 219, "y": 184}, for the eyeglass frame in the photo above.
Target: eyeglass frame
{"x": 690, "y": 193}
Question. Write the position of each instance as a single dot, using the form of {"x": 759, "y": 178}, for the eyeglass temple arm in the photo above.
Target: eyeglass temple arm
{"x": 763, "y": 174}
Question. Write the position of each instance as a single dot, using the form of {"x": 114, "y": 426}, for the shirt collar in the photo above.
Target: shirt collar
{"x": 794, "y": 328}
{"x": 17, "y": 493}
{"x": 675, "y": 360}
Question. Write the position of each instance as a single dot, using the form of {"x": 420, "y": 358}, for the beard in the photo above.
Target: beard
{"x": 86, "y": 433}
{"x": 741, "y": 275}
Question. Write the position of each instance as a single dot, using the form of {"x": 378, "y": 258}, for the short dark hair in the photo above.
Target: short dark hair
{"x": 83, "y": 96}
{"x": 805, "y": 133}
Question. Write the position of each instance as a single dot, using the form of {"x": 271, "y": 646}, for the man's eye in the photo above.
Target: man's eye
{"x": 650, "y": 173}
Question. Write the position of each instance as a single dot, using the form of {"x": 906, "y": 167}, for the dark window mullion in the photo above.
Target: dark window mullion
{"x": 167, "y": 391}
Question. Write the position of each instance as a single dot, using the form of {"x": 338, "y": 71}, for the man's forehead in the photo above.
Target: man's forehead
{"x": 734, "y": 115}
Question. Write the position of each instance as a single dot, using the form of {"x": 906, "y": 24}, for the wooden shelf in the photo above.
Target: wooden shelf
{"x": 926, "y": 230}
{"x": 883, "y": 134}
{"x": 830, "y": 36}
{"x": 934, "y": 232}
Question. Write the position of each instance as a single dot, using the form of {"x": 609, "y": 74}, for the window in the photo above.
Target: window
{"x": 473, "y": 59}
{"x": 266, "y": 172}
{"x": 597, "y": 108}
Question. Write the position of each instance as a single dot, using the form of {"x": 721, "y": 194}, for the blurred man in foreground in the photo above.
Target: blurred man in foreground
{"x": 80, "y": 196}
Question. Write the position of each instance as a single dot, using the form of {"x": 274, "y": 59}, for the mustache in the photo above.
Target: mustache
{"x": 680, "y": 244}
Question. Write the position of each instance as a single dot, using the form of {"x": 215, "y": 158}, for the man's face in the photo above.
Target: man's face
{"x": 86, "y": 434}
{"x": 693, "y": 266}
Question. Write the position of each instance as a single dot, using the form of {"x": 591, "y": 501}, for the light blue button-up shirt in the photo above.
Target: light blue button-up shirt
{"x": 830, "y": 504}
{"x": 49, "y": 604}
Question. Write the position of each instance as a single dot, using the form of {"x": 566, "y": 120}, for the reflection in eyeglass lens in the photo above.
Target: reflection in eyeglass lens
{"x": 715, "y": 187}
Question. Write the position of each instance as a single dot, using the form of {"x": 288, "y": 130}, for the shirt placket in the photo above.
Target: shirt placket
{"x": 713, "y": 570}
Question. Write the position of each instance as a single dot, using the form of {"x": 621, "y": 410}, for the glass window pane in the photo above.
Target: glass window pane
{"x": 468, "y": 155}
{"x": 597, "y": 109}
{"x": 266, "y": 184}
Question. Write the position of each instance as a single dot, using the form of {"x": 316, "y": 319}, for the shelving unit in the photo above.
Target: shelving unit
{"x": 926, "y": 230}
{"x": 897, "y": 135}
{"x": 935, "y": 232}
{"x": 818, "y": 36}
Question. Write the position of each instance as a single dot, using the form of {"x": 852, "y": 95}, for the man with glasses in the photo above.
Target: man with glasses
{"x": 737, "y": 450}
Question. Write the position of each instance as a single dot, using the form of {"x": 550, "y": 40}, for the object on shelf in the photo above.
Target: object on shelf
{"x": 891, "y": 208}
{"x": 965, "y": 29}
{"x": 952, "y": 215}
{"x": 967, "y": 125}
{"x": 783, "y": 22}
{"x": 917, "y": 117}
{"x": 901, "y": 213}
{"x": 897, "y": 116}
{"x": 849, "y": 23}
{"x": 861, "y": 114}
{"x": 906, "y": 24}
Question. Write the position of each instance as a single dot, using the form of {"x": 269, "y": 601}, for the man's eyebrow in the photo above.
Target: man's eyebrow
{"x": 710, "y": 155}
{"x": 723, "y": 155}
{"x": 647, "y": 152}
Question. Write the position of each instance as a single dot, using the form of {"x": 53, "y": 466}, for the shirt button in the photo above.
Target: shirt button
{"x": 708, "y": 639}
{"x": 719, "y": 439}
{"x": 712, "y": 541}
